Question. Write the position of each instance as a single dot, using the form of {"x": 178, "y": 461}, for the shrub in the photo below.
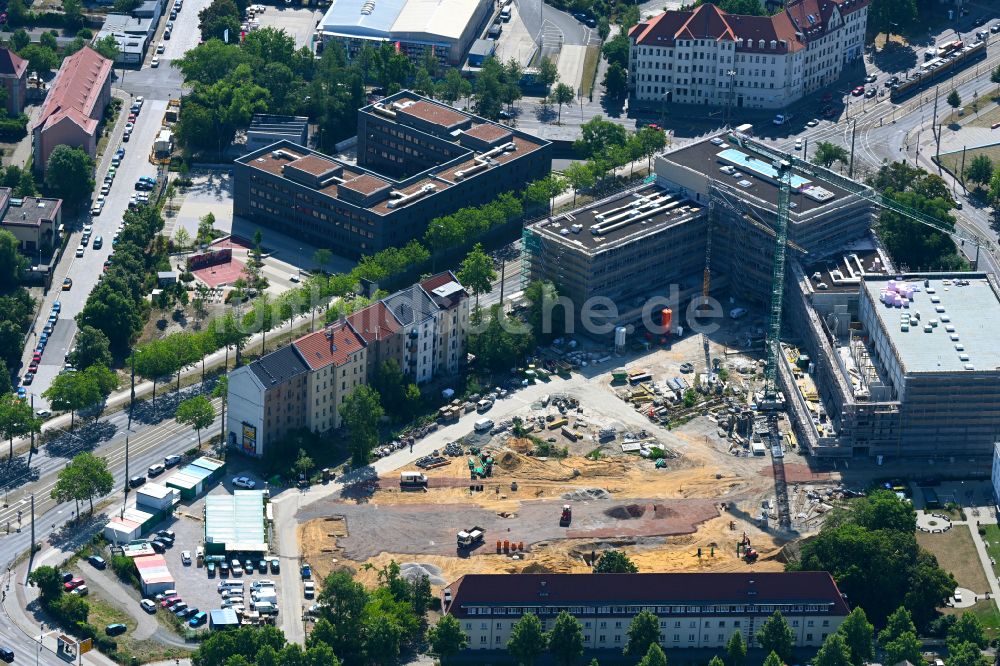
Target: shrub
{"x": 124, "y": 568}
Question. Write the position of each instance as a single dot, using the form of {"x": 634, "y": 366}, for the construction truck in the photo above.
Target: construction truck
{"x": 567, "y": 516}
{"x": 470, "y": 538}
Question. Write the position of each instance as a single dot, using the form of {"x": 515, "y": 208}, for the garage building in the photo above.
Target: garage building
{"x": 192, "y": 480}
{"x": 154, "y": 576}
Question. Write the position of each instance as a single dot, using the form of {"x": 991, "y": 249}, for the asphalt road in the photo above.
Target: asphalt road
{"x": 556, "y": 23}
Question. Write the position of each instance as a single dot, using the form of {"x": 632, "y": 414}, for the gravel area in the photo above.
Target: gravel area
{"x": 431, "y": 528}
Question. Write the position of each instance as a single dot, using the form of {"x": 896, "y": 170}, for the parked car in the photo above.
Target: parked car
{"x": 148, "y": 605}
{"x": 244, "y": 482}
{"x": 72, "y": 583}
{"x": 859, "y": 91}
{"x": 115, "y": 629}
{"x": 7, "y": 654}
{"x": 136, "y": 481}
{"x": 67, "y": 284}
{"x": 171, "y": 461}
{"x": 155, "y": 470}
{"x": 186, "y": 557}
{"x": 199, "y": 619}
{"x": 81, "y": 591}
{"x": 309, "y": 589}
{"x": 97, "y": 562}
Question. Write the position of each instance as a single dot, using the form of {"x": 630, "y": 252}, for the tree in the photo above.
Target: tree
{"x": 84, "y": 478}
{"x": 48, "y": 580}
{"x": 580, "y": 176}
{"x": 40, "y": 58}
{"x": 563, "y": 94}
{"x": 967, "y": 629}
{"x": 12, "y": 263}
{"x": 906, "y": 647}
{"x": 834, "y": 652}
{"x": 447, "y": 638}
{"x": 69, "y": 174}
{"x": 527, "y": 640}
{"x": 303, "y": 464}
{"x": 322, "y": 258}
{"x": 827, "y": 153}
{"x": 965, "y": 654}
{"x": 654, "y": 656}
{"x": 361, "y": 412}
{"x": 954, "y": 99}
{"x": 716, "y": 661}
{"x": 548, "y": 73}
{"x": 16, "y": 419}
{"x": 597, "y": 135}
{"x": 615, "y": 50}
{"x": 501, "y": 341}
{"x": 20, "y": 39}
{"x": 196, "y": 412}
{"x": 566, "y": 639}
{"x": 72, "y": 391}
{"x": 218, "y": 18}
{"x": 614, "y": 561}
{"x": 92, "y": 348}
{"x": 107, "y": 47}
{"x": 890, "y": 16}
{"x": 980, "y": 169}
{"x": 773, "y": 660}
{"x": 616, "y": 81}
{"x": 776, "y": 636}
{"x": 477, "y": 272}
{"x": 155, "y": 360}
{"x": 736, "y": 650}
{"x": 72, "y": 15}
{"x": 643, "y": 631}
{"x": 858, "y": 635}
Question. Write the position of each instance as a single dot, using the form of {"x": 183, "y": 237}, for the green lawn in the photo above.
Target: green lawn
{"x": 956, "y": 553}
{"x": 590, "y": 61}
{"x": 953, "y": 161}
{"x": 992, "y": 539}
{"x": 987, "y": 612}
{"x": 102, "y": 614}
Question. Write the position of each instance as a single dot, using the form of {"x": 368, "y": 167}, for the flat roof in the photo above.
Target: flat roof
{"x": 843, "y": 272}
{"x": 157, "y": 490}
{"x": 710, "y": 156}
{"x": 236, "y": 520}
{"x": 30, "y": 211}
{"x": 623, "y": 218}
{"x": 153, "y": 569}
{"x": 435, "y": 18}
{"x": 967, "y": 311}
{"x": 362, "y": 18}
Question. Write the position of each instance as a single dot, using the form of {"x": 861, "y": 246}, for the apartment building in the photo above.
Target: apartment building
{"x": 336, "y": 357}
{"x": 418, "y": 159}
{"x": 708, "y": 56}
{"x": 423, "y": 328}
{"x": 695, "y": 610}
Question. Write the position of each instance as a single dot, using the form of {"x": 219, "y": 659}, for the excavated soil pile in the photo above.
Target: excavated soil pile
{"x": 661, "y": 512}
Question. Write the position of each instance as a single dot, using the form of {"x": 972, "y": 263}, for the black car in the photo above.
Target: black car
{"x": 7, "y": 654}
{"x": 115, "y": 629}
{"x": 169, "y": 534}
{"x": 67, "y": 576}
{"x": 158, "y": 546}
{"x": 979, "y": 21}
{"x": 136, "y": 481}
{"x": 97, "y": 562}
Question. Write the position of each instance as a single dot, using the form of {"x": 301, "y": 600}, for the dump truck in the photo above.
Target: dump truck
{"x": 470, "y": 538}
{"x": 567, "y": 516}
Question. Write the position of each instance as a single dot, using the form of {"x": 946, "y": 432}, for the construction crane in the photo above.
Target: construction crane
{"x": 784, "y": 173}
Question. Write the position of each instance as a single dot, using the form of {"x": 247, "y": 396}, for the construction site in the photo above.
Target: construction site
{"x": 732, "y": 221}
{"x": 617, "y": 457}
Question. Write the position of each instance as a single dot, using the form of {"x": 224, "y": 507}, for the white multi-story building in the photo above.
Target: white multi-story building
{"x": 707, "y": 56}
{"x": 695, "y": 610}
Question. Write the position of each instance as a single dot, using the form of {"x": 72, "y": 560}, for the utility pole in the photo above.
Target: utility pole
{"x": 131, "y": 402}
{"x": 32, "y": 450}
{"x": 126, "y": 476}
{"x": 961, "y": 173}
{"x": 805, "y": 150}
{"x": 850, "y": 168}
{"x": 32, "y": 549}
{"x": 935, "y": 115}
{"x": 503, "y": 269}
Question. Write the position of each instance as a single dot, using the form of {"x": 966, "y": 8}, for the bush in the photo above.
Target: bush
{"x": 124, "y": 568}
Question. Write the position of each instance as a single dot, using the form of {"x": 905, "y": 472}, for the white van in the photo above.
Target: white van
{"x": 484, "y": 405}
{"x": 264, "y": 608}
{"x": 484, "y": 425}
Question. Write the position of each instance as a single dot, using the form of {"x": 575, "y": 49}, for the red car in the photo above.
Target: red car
{"x": 33, "y": 365}
{"x": 36, "y": 357}
{"x": 131, "y": 118}
{"x": 859, "y": 91}
{"x": 169, "y": 601}
{"x": 73, "y": 584}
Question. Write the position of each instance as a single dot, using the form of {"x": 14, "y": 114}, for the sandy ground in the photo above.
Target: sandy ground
{"x": 705, "y": 499}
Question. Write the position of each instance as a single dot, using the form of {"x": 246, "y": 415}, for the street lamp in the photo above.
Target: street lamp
{"x": 41, "y": 632}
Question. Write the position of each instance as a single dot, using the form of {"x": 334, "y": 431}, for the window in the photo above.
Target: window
{"x": 482, "y": 639}
{"x": 809, "y": 637}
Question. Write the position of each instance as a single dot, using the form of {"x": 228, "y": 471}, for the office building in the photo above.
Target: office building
{"x": 695, "y": 610}
{"x": 444, "y": 28}
{"x": 710, "y": 57}
{"x": 266, "y": 129}
{"x": 417, "y": 160}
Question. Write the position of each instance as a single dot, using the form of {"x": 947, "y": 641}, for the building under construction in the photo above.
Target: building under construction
{"x": 859, "y": 384}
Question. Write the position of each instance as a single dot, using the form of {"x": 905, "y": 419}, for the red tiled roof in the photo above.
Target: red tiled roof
{"x": 374, "y": 322}
{"x": 76, "y": 90}
{"x": 12, "y": 64}
{"x": 319, "y": 351}
{"x": 488, "y": 132}
{"x": 710, "y": 22}
{"x": 813, "y": 587}
{"x": 434, "y": 113}
{"x": 706, "y": 22}
{"x": 435, "y": 281}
